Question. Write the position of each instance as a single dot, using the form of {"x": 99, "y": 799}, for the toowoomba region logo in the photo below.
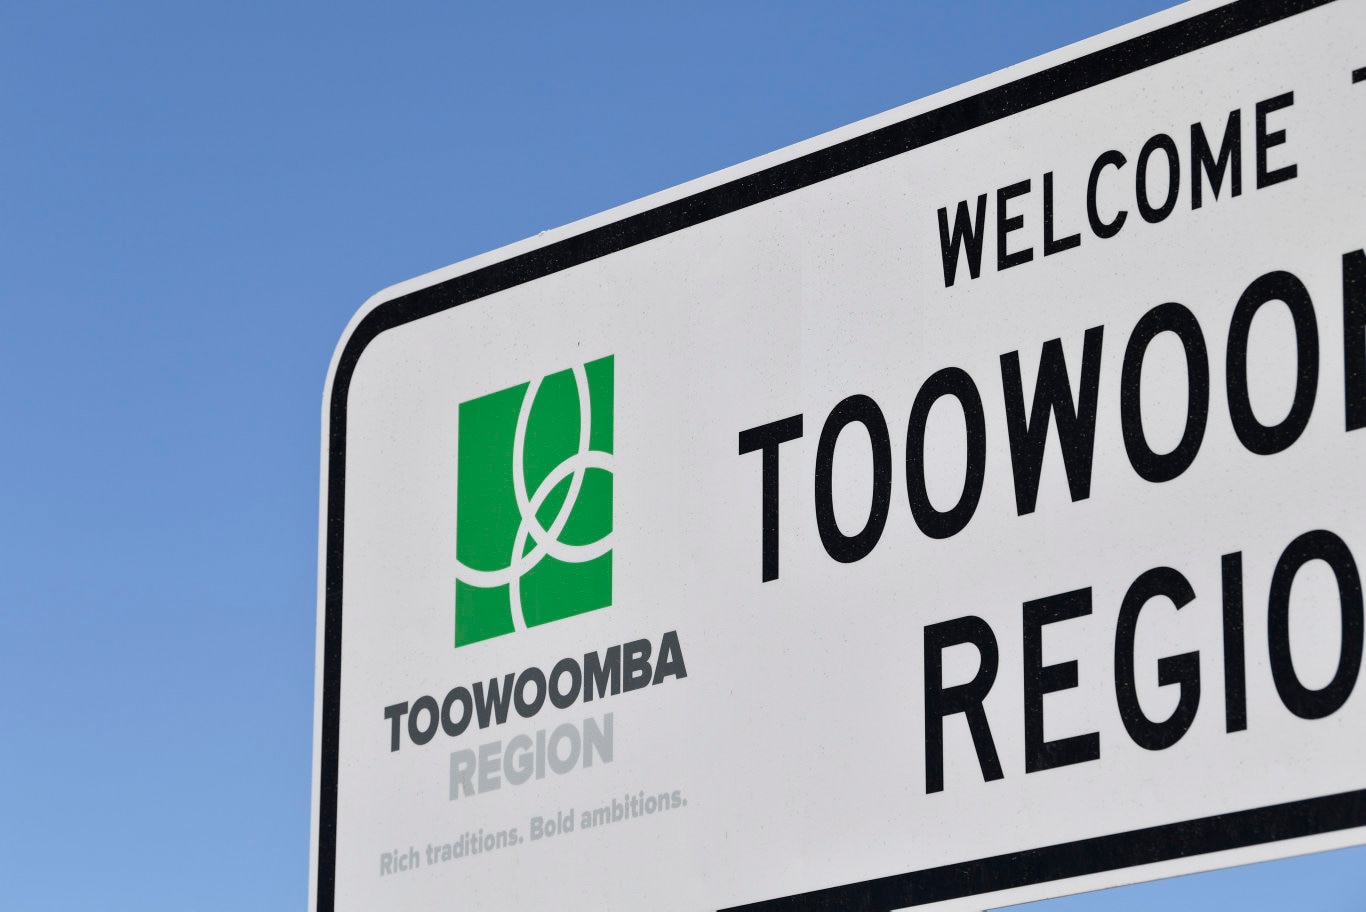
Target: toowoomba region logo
{"x": 534, "y": 503}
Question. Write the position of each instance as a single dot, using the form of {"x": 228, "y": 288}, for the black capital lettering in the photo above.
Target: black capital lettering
{"x": 1230, "y": 159}
{"x": 670, "y": 658}
{"x": 941, "y": 701}
{"x": 1051, "y": 246}
{"x": 767, "y": 438}
{"x": 1300, "y": 700}
{"x": 965, "y": 232}
{"x": 563, "y": 698}
{"x": 528, "y": 707}
{"x": 1354, "y": 337}
{"x": 955, "y": 382}
{"x": 1041, "y": 679}
{"x": 1006, "y": 224}
{"x": 1099, "y": 227}
{"x": 1052, "y": 396}
{"x": 1182, "y": 670}
{"x": 849, "y": 548}
{"x": 1174, "y": 318}
{"x": 601, "y": 674}
{"x": 449, "y": 724}
{"x": 1258, "y": 438}
{"x": 395, "y": 715}
{"x": 635, "y": 665}
{"x": 416, "y": 732}
{"x": 1267, "y": 176}
{"x": 1154, "y": 214}
{"x": 1235, "y": 666}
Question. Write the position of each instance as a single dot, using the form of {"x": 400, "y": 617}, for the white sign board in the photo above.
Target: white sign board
{"x": 962, "y": 507}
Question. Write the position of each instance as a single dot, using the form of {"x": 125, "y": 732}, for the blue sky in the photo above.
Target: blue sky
{"x": 194, "y": 198}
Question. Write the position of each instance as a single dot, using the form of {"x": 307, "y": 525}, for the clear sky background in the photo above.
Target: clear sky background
{"x": 194, "y": 198}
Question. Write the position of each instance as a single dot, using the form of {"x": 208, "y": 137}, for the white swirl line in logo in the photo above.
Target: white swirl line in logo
{"x": 547, "y": 541}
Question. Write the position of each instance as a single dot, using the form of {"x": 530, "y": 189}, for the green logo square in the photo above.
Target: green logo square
{"x": 534, "y": 503}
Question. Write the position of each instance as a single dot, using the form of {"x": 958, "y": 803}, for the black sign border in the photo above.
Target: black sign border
{"x": 985, "y": 875}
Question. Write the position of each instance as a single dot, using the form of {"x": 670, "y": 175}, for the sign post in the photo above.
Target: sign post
{"x": 960, "y": 508}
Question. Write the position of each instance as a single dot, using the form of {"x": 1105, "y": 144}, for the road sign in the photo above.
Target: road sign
{"x": 960, "y": 508}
